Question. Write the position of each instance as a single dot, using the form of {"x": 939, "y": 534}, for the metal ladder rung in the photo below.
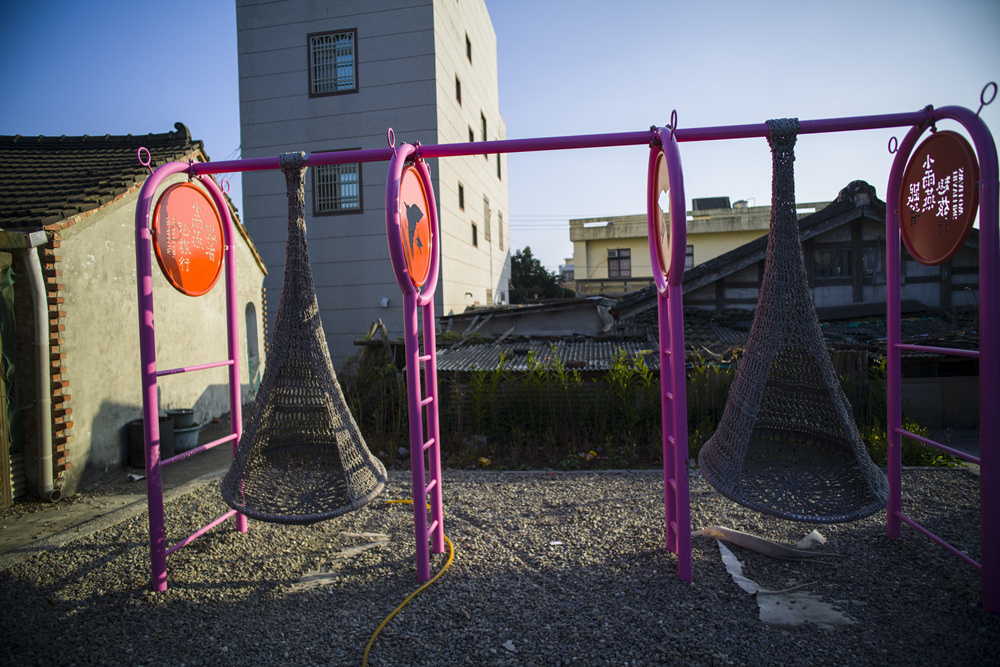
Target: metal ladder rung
{"x": 424, "y": 359}
{"x": 427, "y": 401}
{"x": 431, "y": 528}
{"x": 430, "y": 486}
{"x": 428, "y": 444}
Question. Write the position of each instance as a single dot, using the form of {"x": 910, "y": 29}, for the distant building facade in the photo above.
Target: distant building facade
{"x": 321, "y": 77}
{"x": 611, "y": 255}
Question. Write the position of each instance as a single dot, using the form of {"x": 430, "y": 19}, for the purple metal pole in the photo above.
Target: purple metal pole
{"x": 989, "y": 349}
{"x": 147, "y": 364}
{"x": 232, "y": 324}
{"x": 670, "y": 312}
{"x": 418, "y": 473}
{"x": 893, "y": 379}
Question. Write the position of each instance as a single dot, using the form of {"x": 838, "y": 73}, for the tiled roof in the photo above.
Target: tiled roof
{"x": 44, "y": 180}
{"x": 578, "y": 354}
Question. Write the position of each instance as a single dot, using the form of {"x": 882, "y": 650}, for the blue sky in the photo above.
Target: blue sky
{"x": 566, "y": 67}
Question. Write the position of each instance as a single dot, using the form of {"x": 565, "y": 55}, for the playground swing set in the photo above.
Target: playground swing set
{"x": 786, "y": 444}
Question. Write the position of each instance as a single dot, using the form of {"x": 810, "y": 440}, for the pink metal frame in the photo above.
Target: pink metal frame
{"x": 670, "y": 309}
{"x": 988, "y": 353}
{"x": 425, "y": 443}
{"x": 158, "y": 549}
{"x": 670, "y": 312}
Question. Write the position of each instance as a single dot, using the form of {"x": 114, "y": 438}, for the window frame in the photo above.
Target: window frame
{"x": 468, "y": 48}
{"x": 309, "y": 62}
{"x": 320, "y": 169}
{"x": 461, "y": 196}
{"x": 616, "y": 261}
{"x": 475, "y": 236}
{"x": 841, "y": 259}
{"x": 458, "y": 90}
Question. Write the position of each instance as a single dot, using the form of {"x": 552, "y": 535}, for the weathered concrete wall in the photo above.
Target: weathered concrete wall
{"x": 102, "y": 340}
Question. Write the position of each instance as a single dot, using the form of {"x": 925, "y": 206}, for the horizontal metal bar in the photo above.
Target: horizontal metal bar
{"x": 939, "y": 541}
{"x": 643, "y": 137}
{"x": 427, "y": 401}
{"x": 201, "y": 531}
{"x": 430, "y": 486}
{"x": 272, "y": 163}
{"x": 198, "y": 450}
{"x": 431, "y": 528}
{"x": 199, "y": 367}
{"x": 955, "y": 352}
{"x": 424, "y": 359}
{"x": 937, "y": 445}
{"x": 428, "y": 444}
{"x": 673, "y": 484}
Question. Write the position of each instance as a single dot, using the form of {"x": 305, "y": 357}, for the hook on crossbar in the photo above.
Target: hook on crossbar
{"x": 983, "y": 102}
{"x": 148, "y": 162}
{"x": 673, "y": 122}
{"x": 390, "y": 136}
{"x": 893, "y": 145}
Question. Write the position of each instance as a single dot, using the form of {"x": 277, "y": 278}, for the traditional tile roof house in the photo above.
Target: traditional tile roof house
{"x": 844, "y": 251}
{"x": 67, "y": 254}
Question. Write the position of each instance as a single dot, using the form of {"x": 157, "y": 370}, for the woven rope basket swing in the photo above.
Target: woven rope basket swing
{"x": 787, "y": 444}
{"x": 301, "y": 458}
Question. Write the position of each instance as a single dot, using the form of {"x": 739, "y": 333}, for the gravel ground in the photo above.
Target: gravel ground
{"x": 606, "y": 593}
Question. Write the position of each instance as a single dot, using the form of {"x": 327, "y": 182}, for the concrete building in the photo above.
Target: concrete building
{"x": 70, "y": 323}
{"x": 320, "y": 76}
{"x": 611, "y": 255}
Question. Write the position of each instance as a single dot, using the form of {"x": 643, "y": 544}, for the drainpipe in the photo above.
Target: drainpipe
{"x": 44, "y": 378}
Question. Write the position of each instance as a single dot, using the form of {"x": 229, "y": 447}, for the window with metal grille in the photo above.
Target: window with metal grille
{"x": 333, "y": 63}
{"x": 337, "y": 188}
{"x": 486, "y": 219}
{"x": 689, "y": 257}
{"x": 489, "y": 297}
{"x": 620, "y": 263}
{"x": 461, "y": 196}
{"x": 500, "y": 229}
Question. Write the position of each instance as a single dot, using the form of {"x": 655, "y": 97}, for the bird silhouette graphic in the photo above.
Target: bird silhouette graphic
{"x": 413, "y": 216}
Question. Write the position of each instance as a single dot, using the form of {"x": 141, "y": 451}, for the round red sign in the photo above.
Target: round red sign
{"x": 939, "y": 197}
{"x": 416, "y": 230}
{"x": 661, "y": 177}
{"x": 188, "y": 239}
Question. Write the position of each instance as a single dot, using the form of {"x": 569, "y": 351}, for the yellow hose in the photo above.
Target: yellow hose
{"x": 451, "y": 557}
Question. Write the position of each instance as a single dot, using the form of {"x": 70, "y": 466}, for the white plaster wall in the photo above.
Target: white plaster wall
{"x": 101, "y": 339}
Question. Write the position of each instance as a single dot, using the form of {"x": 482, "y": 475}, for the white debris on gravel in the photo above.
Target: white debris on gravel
{"x": 608, "y": 595}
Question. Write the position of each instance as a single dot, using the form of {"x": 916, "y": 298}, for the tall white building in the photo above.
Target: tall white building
{"x": 321, "y": 76}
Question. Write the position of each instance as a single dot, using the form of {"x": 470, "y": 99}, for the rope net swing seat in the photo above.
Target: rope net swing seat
{"x": 302, "y": 458}
{"x": 787, "y": 444}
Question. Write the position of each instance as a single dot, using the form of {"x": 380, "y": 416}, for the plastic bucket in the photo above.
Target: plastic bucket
{"x": 137, "y": 441}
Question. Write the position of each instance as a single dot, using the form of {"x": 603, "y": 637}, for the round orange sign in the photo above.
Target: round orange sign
{"x": 188, "y": 239}
{"x": 415, "y": 226}
{"x": 939, "y": 197}
{"x": 661, "y": 177}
